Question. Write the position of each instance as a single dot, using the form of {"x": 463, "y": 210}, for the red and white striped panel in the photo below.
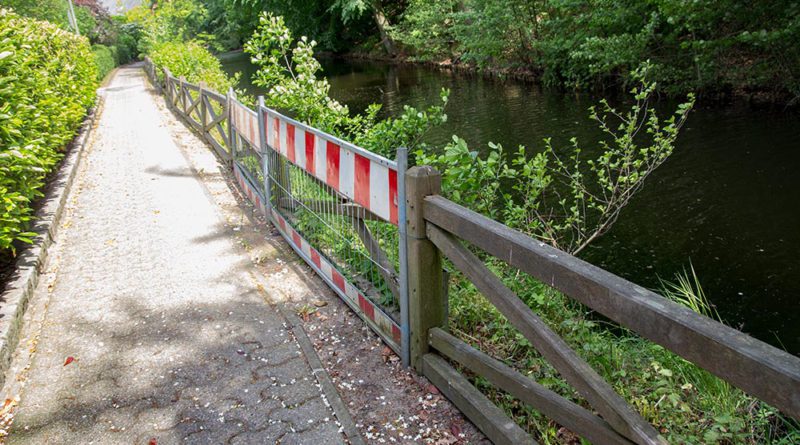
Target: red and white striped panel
{"x": 245, "y": 121}
{"x": 362, "y": 305}
{"x": 248, "y": 191}
{"x": 371, "y": 184}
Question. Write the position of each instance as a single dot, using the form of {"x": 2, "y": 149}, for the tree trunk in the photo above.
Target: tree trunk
{"x": 383, "y": 24}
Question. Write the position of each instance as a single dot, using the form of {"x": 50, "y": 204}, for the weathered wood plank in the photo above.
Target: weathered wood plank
{"x": 759, "y": 369}
{"x": 215, "y": 119}
{"x": 386, "y": 268}
{"x": 491, "y": 420}
{"x": 193, "y": 102}
{"x": 568, "y": 414}
{"x": 214, "y": 96}
{"x": 426, "y": 301}
{"x": 221, "y": 151}
{"x": 617, "y": 412}
{"x": 190, "y": 86}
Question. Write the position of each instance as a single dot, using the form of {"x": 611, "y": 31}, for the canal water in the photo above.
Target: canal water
{"x": 727, "y": 201}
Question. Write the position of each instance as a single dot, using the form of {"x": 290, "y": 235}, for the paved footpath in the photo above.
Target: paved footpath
{"x": 151, "y": 329}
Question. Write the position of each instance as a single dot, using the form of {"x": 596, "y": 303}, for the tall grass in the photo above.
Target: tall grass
{"x": 688, "y": 404}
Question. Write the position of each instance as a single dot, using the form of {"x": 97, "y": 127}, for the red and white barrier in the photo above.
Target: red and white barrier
{"x": 245, "y": 122}
{"x": 367, "y": 181}
{"x": 369, "y": 311}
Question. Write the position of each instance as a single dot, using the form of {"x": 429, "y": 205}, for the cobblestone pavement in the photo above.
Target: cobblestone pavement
{"x": 151, "y": 329}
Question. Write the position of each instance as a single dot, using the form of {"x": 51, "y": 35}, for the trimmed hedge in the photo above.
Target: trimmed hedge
{"x": 47, "y": 83}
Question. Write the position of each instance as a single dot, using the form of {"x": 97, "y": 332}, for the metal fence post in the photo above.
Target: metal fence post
{"x": 426, "y": 305}
{"x": 402, "y": 165}
{"x": 265, "y": 155}
{"x": 231, "y": 135}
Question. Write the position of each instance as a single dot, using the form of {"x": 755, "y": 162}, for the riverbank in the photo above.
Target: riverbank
{"x": 722, "y": 202}
{"x": 758, "y": 98}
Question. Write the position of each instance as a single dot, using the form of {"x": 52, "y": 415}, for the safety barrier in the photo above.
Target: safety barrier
{"x": 337, "y": 205}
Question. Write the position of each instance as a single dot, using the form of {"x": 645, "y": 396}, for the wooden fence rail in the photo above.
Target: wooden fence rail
{"x": 757, "y": 368}
{"x": 204, "y": 110}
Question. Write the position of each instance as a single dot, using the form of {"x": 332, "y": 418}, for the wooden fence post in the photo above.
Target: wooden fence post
{"x": 203, "y": 112}
{"x": 168, "y": 86}
{"x": 426, "y": 305}
{"x": 182, "y": 95}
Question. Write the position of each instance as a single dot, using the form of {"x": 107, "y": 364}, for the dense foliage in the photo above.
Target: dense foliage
{"x": 105, "y": 58}
{"x": 193, "y": 61}
{"x": 170, "y": 34}
{"x": 694, "y": 46}
{"x": 337, "y": 25}
{"x": 94, "y": 22}
{"x": 712, "y": 48}
{"x": 289, "y": 72}
{"x": 47, "y": 82}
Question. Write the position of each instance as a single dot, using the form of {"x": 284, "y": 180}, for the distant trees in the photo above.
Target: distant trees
{"x": 717, "y": 47}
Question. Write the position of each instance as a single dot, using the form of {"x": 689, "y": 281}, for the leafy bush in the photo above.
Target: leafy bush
{"x": 47, "y": 83}
{"x": 53, "y": 11}
{"x": 105, "y": 58}
{"x": 712, "y": 47}
{"x": 289, "y": 72}
{"x": 127, "y": 41}
{"x": 193, "y": 61}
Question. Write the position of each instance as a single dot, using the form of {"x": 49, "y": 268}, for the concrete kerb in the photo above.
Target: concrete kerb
{"x": 32, "y": 260}
{"x": 334, "y": 399}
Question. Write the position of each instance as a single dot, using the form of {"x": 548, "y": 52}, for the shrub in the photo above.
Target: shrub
{"x": 127, "y": 41}
{"x": 47, "y": 83}
{"x": 193, "y": 61}
{"x": 105, "y": 58}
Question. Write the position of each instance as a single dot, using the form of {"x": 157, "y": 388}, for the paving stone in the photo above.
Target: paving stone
{"x": 170, "y": 336}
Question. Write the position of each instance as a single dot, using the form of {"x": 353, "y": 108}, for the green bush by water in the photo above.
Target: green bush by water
{"x": 47, "y": 83}
{"x": 193, "y": 61}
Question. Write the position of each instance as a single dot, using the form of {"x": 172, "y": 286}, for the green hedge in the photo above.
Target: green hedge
{"x": 105, "y": 58}
{"x": 193, "y": 61}
{"x": 47, "y": 83}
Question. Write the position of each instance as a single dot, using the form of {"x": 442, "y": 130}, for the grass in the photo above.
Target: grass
{"x": 686, "y": 403}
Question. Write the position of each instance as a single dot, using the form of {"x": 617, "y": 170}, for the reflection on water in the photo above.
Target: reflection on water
{"x": 728, "y": 200}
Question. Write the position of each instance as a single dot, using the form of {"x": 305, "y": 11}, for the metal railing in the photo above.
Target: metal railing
{"x": 337, "y": 205}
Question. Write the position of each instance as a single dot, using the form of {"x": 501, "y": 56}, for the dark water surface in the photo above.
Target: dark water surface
{"x": 728, "y": 200}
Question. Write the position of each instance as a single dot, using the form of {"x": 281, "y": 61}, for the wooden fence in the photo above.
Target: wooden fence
{"x": 435, "y": 228}
{"x": 205, "y": 110}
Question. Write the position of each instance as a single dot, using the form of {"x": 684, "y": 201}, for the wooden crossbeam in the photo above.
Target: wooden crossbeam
{"x": 759, "y": 369}
{"x": 491, "y": 420}
{"x": 568, "y": 414}
{"x": 614, "y": 409}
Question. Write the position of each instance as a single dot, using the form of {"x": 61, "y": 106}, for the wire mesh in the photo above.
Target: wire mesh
{"x": 249, "y": 159}
{"x": 363, "y": 247}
